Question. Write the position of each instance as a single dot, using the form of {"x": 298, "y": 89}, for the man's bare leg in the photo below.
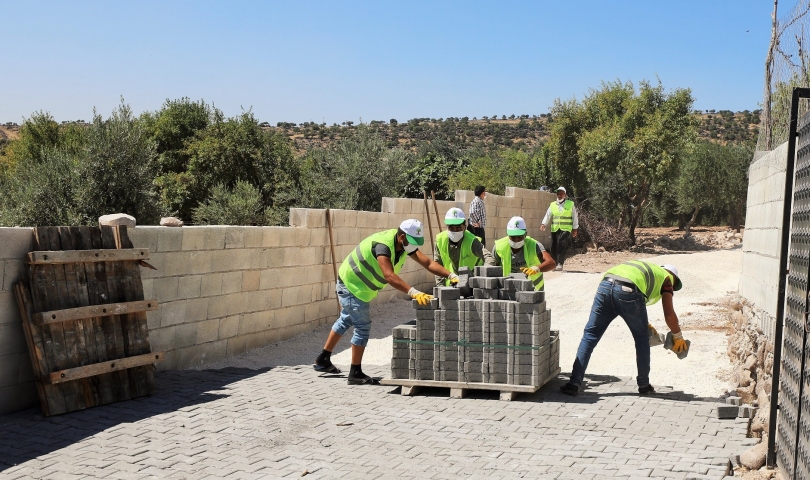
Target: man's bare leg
{"x": 324, "y": 363}
{"x": 332, "y": 341}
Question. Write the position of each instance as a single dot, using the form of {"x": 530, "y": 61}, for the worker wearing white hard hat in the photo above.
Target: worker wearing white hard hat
{"x": 562, "y": 215}
{"x": 517, "y": 252}
{"x": 458, "y": 247}
{"x": 372, "y": 265}
{"x": 626, "y": 290}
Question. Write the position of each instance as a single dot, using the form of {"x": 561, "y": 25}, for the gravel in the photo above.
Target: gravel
{"x": 708, "y": 278}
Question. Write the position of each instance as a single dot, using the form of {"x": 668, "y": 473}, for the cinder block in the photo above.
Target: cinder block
{"x": 746, "y": 411}
{"x": 196, "y": 309}
{"x": 518, "y": 285}
{"x": 504, "y": 294}
{"x": 447, "y": 293}
{"x": 16, "y": 242}
{"x": 489, "y": 294}
{"x": 426, "y": 314}
{"x": 231, "y": 282}
{"x": 173, "y": 313}
{"x": 733, "y": 400}
{"x": 165, "y": 289}
{"x": 530, "y": 297}
{"x": 188, "y": 286}
{"x": 448, "y": 305}
{"x": 429, "y": 306}
{"x": 727, "y": 411}
{"x": 488, "y": 271}
{"x": 487, "y": 282}
{"x": 228, "y": 327}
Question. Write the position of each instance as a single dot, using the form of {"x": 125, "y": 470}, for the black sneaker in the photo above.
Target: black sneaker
{"x": 646, "y": 390}
{"x": 362, "y": 379}
{"x": 570, "y": 389}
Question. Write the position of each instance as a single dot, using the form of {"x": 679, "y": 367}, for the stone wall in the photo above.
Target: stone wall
{"x": 224, "y": 290}
{"x": 763, "y": 233}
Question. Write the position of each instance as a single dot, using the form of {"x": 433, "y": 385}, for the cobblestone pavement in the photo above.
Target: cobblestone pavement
{"x": 286, "y": 421}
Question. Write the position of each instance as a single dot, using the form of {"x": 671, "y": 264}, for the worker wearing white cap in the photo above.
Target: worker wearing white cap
{"x": 457, "y": 247}
{"x": 562, "y": 215}
{"x": 372, "y": 265}
{"x": 518, "y": 252}
{"x": 626, "y": 290}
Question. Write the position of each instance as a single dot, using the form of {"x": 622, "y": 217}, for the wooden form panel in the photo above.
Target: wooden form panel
{"x": 79, "y": 256}
{"x": 88, "y": 342}
{"x": 106, "y": 310}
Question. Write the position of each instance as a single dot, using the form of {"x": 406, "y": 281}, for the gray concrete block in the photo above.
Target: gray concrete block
{"x": 449, "y": 305}
{"x": 488, "y": 282}
{"x": 466, "y": 292}
{"x": 434, "y": 303}
{"x": 488, "y": 271}
{"x": 425, "y": 314}
{"x": 530, "y": 297}
{"x": 727, "y": 411}
{"x": 504, "y": 294}
{"x": 519, "y": 285}
{"x": 488, "y": 294}
{"x": 447, "y": 293}
{"x": 531, "y": 307}
{"x": 429, "y": 306}
{"x": 449, "y": 376}
{"x": 733, "y": 400}
{"x": 746, "y": 411}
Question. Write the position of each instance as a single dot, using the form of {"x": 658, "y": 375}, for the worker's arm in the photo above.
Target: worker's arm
{"x": 546, "y": 219}
{"x": 489, "y": 258}
{"x": 430, "y": 265}
{"x": 575, "y": 221}
{"x": 392, "y": 278}
{"x": 548, "y": 263}
{"x": 438, "y": 257}
{"x": 669, "y": 313}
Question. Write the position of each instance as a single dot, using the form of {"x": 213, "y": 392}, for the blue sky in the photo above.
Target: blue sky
{"x": 346, "y": 60}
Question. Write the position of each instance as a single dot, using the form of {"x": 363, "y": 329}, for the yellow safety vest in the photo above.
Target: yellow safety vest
{"x": 360, "y": 271}
{"x": 504, "y": 251}
{"x": 648, "y": 277}
{"x": 466, "y": 257}
{"x": 562, "y": 220}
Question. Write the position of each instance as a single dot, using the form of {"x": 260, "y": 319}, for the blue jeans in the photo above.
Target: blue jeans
{"x": 613, "y": 300}
{"x": 354, "y": 313}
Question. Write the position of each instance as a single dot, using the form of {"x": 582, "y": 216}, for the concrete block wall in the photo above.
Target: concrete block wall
{"x": 224, "y": 290}
{"x": 763, "y": 233}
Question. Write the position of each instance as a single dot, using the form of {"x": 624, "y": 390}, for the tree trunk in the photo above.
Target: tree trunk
{"x": 691, "y": 222}
{"x": 766, "y": 120}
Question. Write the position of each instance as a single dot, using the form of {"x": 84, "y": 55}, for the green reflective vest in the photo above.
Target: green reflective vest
{"x": 504, "y": 251}
{"x": 648, "y": 277}
{"x": 466, "y": 257}
{"x": 360, "y": 271}
{"x": 562, "y": 220}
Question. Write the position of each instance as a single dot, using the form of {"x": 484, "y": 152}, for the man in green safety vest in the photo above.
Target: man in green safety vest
{"x": 562, "y": 215}
{"x": 372, "y": 265}
{"x": 518, "y": 252}
{"x": 458, "y": 247}
{"x": 625, "y": 291}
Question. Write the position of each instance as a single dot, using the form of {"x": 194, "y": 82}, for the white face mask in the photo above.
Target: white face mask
{"x": 410, "y": 248}
{"x": 455, "y": 236}
{"x": 516, "y": 244}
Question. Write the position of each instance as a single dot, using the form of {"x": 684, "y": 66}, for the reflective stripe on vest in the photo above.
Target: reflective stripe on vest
{"x": 360, "y": 271}
{"x": 504, "y": 251}
{"x": 648, "y": 277}
{"x": 466, "y": 257}
{"x": 562, "y": 220}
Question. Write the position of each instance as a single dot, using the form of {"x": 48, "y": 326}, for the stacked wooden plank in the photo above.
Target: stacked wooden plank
{"x": 84, "y": 316}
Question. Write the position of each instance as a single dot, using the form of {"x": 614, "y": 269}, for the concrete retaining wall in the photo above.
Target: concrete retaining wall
{"x": 763, "y": 233}
{"x": 226, "y": 289}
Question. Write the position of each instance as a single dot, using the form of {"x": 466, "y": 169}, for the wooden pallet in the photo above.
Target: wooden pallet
{"x": 84, "y": 317}
{"x": 459, "y": 389}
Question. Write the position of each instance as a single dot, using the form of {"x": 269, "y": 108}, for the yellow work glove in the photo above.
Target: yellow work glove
{"x": 679, "y": 344}
{"x": 421, "y": 298}
{"x": 652, "y": 329}
{"x": 453, "y": 278}
{"x": 529, "y": 271}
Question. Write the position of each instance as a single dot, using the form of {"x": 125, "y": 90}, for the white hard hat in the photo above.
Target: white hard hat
{"x": 561, "y": 188}
{"x": 413, "y": 231}
{"x": 674, "y": 271}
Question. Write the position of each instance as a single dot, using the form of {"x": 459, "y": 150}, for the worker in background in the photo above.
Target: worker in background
{"x": 518, "y": 252}
{"x": 564, "y": 224}
{"x": 373, "y": 264}
{"x": 478, "y": 214}
{"x": 457, "y": 246}
{"x": 625, "y": 291}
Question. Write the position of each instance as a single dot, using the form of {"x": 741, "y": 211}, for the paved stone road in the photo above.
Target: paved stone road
{"x": 281, "y": 422}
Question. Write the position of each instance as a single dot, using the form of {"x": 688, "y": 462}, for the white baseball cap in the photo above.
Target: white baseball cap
{"x": 454, "y": 216}
{"x": 561, "y": 188}
{"x": 413, "y": 231}
{"x": 674, "y": 271}
{"x": 516, "y": 226}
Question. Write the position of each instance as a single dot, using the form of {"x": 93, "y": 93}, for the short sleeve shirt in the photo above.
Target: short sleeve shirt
{"x": 381, "y": 249}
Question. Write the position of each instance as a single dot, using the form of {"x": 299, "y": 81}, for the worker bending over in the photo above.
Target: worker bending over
{"x": 518, "y": 252}
{"x": 625, "y": 291}
{"x": 458, "y": 247}
{"x": 374, "y": 263}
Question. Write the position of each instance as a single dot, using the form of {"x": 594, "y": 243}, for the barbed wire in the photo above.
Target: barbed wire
{"x": 789, "y": 62}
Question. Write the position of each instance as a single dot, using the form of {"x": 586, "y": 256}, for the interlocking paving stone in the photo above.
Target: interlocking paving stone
{"x": 276, "y": 423}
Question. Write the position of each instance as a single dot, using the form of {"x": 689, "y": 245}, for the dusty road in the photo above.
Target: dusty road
{"x": 708, "y": 278}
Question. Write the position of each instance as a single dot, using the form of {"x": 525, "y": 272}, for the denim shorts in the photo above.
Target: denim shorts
{"x": 354, "y": 313}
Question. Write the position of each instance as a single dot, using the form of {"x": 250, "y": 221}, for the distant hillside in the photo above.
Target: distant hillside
{"x": 522, "y": 132}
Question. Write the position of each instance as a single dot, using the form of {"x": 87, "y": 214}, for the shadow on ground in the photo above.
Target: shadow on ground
{"x": 27, "y": 435}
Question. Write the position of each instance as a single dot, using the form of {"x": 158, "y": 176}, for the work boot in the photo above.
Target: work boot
{"x": 558, "y": 268}
{"x": 570, "y": 389}
{"x": 646, "y": 390}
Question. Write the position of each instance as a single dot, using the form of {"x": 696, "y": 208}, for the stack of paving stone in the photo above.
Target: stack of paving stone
{"x": 490, "y": 329}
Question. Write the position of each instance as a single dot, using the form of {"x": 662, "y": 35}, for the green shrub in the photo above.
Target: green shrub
{"x": 240, "y": 206}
